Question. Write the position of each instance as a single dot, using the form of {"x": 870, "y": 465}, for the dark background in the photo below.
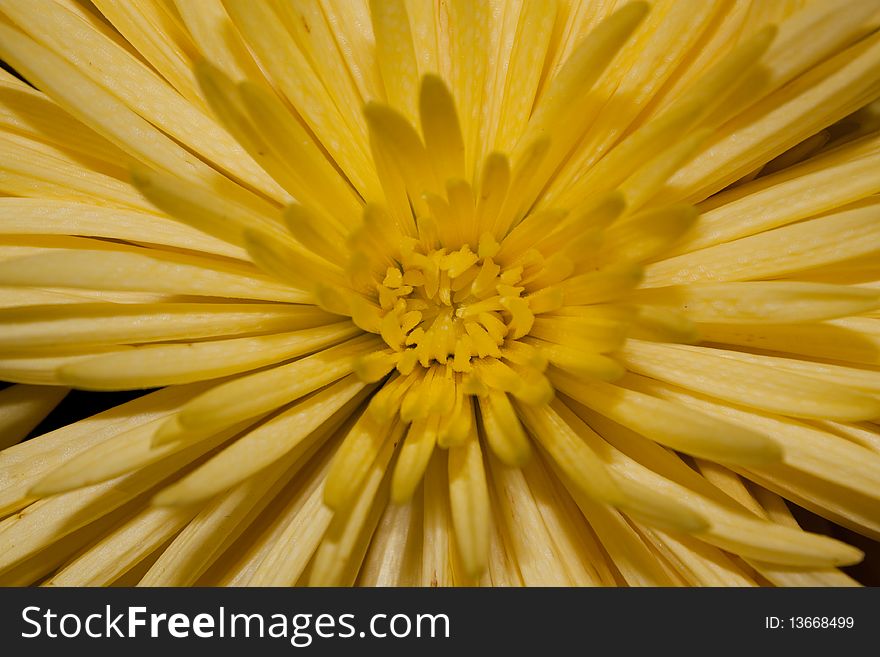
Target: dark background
{"x": 481, "y": 621}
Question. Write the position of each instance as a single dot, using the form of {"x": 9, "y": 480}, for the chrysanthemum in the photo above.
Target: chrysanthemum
{"x": 508, "y": 292}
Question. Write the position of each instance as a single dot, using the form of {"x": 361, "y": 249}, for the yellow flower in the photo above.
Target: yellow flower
{"x": 508, "y": 292}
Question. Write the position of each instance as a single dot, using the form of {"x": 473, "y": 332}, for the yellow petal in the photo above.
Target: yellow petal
{"x": 469, "y": 504}
{"x": 255, "y": 394}
{"x": 709, "y": 372}
{"x": 140, "y": 271}
{"x": 22, "y": 407}
{"x": 285, "y": 436}
{"x": 159, "y": 365}
{"x": 672, "y": 425}
{"x": 548, "y": 427}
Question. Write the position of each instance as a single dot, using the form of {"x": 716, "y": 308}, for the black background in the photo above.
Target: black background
{"x": 482, "y": 621}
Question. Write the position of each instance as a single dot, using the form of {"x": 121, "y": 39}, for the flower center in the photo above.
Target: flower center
{"x": 451, "y": 307}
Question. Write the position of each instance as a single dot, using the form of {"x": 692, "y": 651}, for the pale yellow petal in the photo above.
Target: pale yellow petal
{"x": 23, "y": 407}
